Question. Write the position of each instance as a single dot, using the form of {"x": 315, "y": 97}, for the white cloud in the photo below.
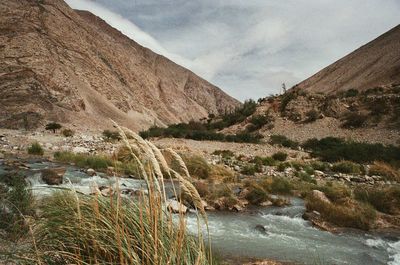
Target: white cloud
{"x": 249, "y": 48}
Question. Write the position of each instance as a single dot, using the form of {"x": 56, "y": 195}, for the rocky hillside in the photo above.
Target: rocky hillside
{"x": 58, "y": 64}
{"x": 358, "y": 98}
{"x": 374, "y": 64}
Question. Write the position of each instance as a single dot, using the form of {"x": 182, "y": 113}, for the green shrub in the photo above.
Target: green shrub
{"x": 312, "y": 115}
{"x": 224, "y": 153}
{"x": 35, "y": 149}
{"x": 279, "y": 156}
{"x": 335, "y": 149}
{"x": 278, "y": 186}
{"x": 359, "y": 216}
{"x": 249, "y": 169}
{"x": 351, "y": 93}
{"x": 354, "y": 120}
{"x": 16, "y": 202}
{"x": 282, "y": 166}
{"x": 258, "y": 121}
{"x": 386, "y": 200}
{"x": 266, "y": 161}
{"x": 256, "y": 195}
{"x": 321, "y": 166}
{"x": 83, "y": 160}
{"x": 347, "y": 167}
{"x": 336, "y": 192}
{"x": 111, "y": 135}
{"x": 283, "y": 141}
{"x": 285, "y": 100}
{"x": 304, "y": 176}
{"x": 53, "y": 126}
{"x": 68, "y": 132}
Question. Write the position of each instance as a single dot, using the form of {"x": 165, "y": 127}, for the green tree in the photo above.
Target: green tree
{"x": 53, "y": 126}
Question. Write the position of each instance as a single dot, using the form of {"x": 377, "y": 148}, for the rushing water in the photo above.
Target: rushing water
{"x": 282, "y": 234}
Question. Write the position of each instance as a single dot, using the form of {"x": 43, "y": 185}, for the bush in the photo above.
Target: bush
{"x": 279, "y": 156}
{"x": 197, "y": 166}
{"x": 266, "y": 161}
{"x": 111, "y": 135}
{"x": 249, "y": 170}
{"x": 304, "y": 176}
{"x": 321, "y": 166}
{"x": 359, "y": 216}
{"x": 53, "y": 126}
{"x": 336, "y": 192}
{"x": 386, "y": 200}
{"x": 283, "y": 141}
{"x": 385, "y": 170}
{"x": 354, "y": 120}
{"x": 277, "y": 185}
{"x": 35, "y": 149}
{"x": 312, "y": 115}
{"x": 335, "y": 149}
{"x": 16, "y": 202}
{"x": 347, "y": 167}
{"x": 258, "y": 121}
{"x": 224, "y": 153}
{"x": 68, "y": 132}
{"x": 285, "y": 100}
{"x": 256, "y": 195}
{"x": 351, "y": 93}
{"x": 83, "y": 160}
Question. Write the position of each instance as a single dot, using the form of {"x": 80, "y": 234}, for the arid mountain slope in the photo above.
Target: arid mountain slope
{"x": 58, "y": 64}
{"x": 374, "y": 64}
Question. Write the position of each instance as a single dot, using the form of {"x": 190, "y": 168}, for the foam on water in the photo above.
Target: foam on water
{"x": 394, "y": 250}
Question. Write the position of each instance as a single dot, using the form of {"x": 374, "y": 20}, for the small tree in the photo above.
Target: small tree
{"x": 53, "y": 126}
{"x": 111, "y": 135}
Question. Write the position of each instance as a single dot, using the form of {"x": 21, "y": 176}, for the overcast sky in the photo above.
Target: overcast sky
{"x": 249, "y": 47}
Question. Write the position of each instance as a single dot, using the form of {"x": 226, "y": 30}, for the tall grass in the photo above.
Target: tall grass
{"x": 83, "y": 229}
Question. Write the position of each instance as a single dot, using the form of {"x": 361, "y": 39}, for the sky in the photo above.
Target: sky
{"x": 249, "y": 48}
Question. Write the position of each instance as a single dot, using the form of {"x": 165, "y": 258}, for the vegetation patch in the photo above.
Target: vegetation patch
{"x": 386, "y": 200}
{"x": 384, "y": 170}
{"x": 333, "y": 149}
{"x": 280, "y": 156}
{"x": 35, "y": 149}
{"x": 283, "y": 141}
{"x": 354, "y": 215}
{"x": 347, "y": 167}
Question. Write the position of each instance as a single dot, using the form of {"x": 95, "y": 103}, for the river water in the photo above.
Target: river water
{"x": 282, "y": 234}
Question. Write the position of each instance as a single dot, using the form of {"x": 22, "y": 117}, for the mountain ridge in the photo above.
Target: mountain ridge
{"x": 72, "y": 67}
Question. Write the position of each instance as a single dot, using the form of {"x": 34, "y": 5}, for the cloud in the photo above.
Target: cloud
{"x": 249, "y": 48}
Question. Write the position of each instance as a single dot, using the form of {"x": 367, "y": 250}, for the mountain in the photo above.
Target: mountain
{"x": 59, "y": 64}
{"x": 374, "y": 64}
{"x": 357, "y": 97}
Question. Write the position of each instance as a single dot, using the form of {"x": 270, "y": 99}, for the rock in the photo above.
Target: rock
{"x": 53, "y": 176}
{"x": 237, "y": 208}
{"x": 260, "y": 228}
{"x": 319, "y": 173}
{"x": 106, "y": 191}
{"x": 91, "y": 172}
{"x": 80, "y": 149}
{"x": 110, "y": 170}
{"x": 1, "y": 156}
{"x": 176, "y": 207}
{"x": 320, "y": 195}
{"x": 266, "y": 203}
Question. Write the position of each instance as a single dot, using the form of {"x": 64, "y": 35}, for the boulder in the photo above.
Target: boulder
{"x": 91, "y": 172}
{"x": 320, "y": 196}
{"x": 266, "y": 203}
{"x": 53, "y": 176}
{"x": 260, "y": 228}
{"x": 176, "y": 207}
{"x": 1, "y": 156}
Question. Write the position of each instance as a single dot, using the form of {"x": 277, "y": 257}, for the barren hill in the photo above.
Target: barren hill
{"x": 374, "y": 64}
{"x": 58, "y": 64}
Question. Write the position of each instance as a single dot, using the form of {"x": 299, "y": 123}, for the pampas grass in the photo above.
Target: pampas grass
{"x": 83, "y": 229}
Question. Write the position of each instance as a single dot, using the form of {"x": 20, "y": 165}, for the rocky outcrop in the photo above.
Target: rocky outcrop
{"x": 71, "y": 67}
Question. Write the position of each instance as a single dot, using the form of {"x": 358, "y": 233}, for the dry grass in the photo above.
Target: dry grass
{"x": 82, "y": 229}
{"x": 385, "y": 170}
